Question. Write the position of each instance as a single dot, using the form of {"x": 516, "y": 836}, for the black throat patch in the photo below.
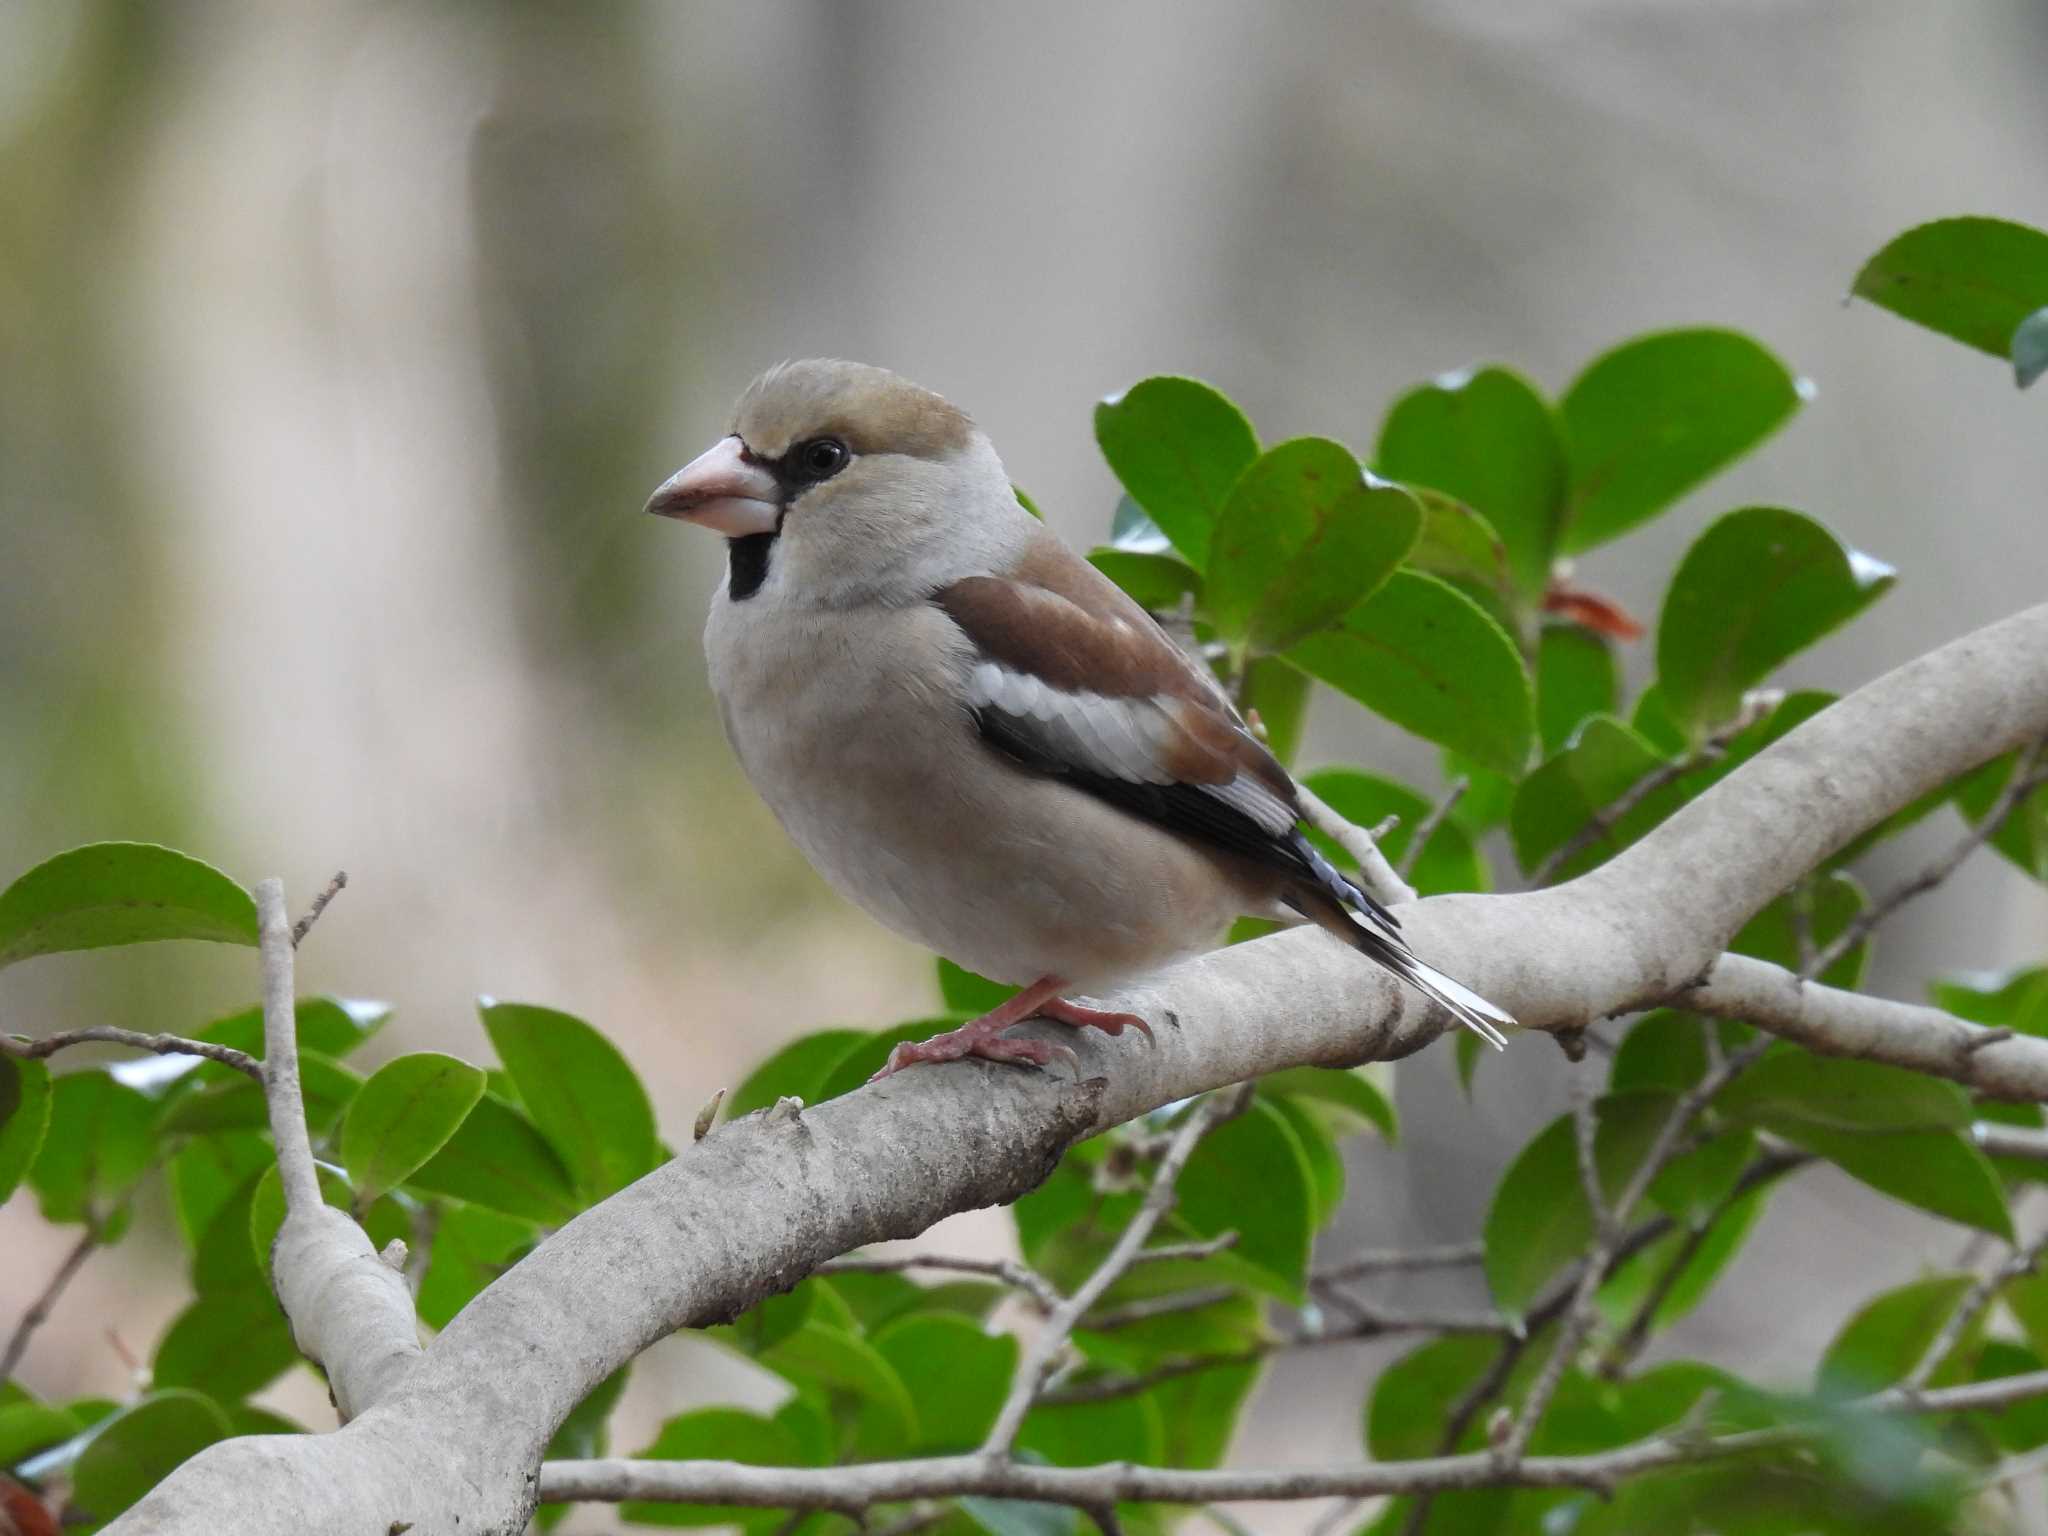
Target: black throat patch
{"x": 749, "y": 564}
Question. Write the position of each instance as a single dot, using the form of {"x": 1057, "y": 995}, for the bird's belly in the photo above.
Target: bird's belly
{"x": 882, "y": 781}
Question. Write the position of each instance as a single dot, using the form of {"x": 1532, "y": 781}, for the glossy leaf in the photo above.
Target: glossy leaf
{"x": 1694, "y": 1184}
{"x": 964, "y": 992}
{"x": 1277, "y": 695}
{"x": 1159, "y": 583}
{"x": 853, "y": 1375}
{"x": 332, "y": 1026}
{"x": 581, "y": 1093}
{"x": 1975, "y": 280}
{"x": 1538, "y": 1223}
{"x": 799, "y": 1069}
{"x": 1412, "y": 1400}
{"x": 2017, "y": 999}
{"x": 1250, "y": 1176}
{"x": 1758, "y": 587}
{"x": 1576, "y": 678}
{"x": 235, "y": 1103}
{"x": 28, "y": 1427}
{"x": 382, "y": 1220}
{"x": 120, "y": 893}
{"x": 715, "y": 1434}
{"x": 1650, "y": 420}
{"x": 2023, "y": 838}
{"x": 1596, "y": 768}
{"x": 1020, "y": 1517}
{"x": 1791, "y": 1090}
{"x": 1830, "y": 906}
{"x": 1702, "y": 1263}
{"x": 498, "y": 1158}
{"x": 405, "y": 1114}
{"x": 1889, "y": 1335}
{"x": 472, "y": 1247}
{"x": 1178, "y": 446}
{"x": 1491, "y": 441}
{"x": 207, "y": 1173}
{"x": 228, "y": 1345}
{"x": 1429, "y": 659}
{"x": 99, "y": 1143}
{"x": 1664, "y": 1049}
{"x": 1304, "y": 536}
{"x": 956, "y": 1375}
{"x": 1462, "y": 547}
{"x": 1342, "y": 1088}
{"x": 24, "y": 1118}
{"x": 1449, "y": 862}
{"x": 1941, "y": 1172}
{"x": 140, "y": 1446}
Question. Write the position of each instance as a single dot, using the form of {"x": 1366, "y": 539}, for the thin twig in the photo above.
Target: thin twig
{"x": 2010, "y": 1140}
{"x": 2029, "y": 773}
{"x": 1059, "y": 1325}
{"x": 1172, "y": 1304}
{"x": 1017, "y": 1276}
{"x": 1376, "y": 1261}
{"x": 1098, "y": 1487}
{"x": 1585, "y": 1143}
{"x": 39, "y": 1310}
{"x": 1378, "y": 877}
{"x": 328, "y": 892}
{"x": 1426, "y": 828}
{"x": 1208, "y": 1248}
{"x": 281, "y": 1092}
{"x": 107, "y": 1034}
{"x": 2021, "y": 1261}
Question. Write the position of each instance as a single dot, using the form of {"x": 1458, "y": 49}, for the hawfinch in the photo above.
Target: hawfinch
{"x": 974, "y": 734}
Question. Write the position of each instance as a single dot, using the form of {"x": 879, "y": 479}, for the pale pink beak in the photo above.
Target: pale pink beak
{"x": 722, "y": 489}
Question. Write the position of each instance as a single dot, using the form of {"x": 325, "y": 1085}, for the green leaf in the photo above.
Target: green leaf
{"x": 206, "y": 1175}
{"x": 1304, "y": 535}
{"x": 1250, "y": 1176}
{"x": 1459, "y": 545}
{"x": 1942, "y": 1172}
{"x": 99, "y": 1143}
{"x": 581, "y": 1093}
{"x": 956, "y": 1375}
{"x": 1412, "y": 1399}
{"x": 868, "y": 1054}
{"x": 405, "y": 1114}
{"x": 1792, "y": 1090}
{"x": 228, "y": 1345}
{"x": 236, "y": 1103}
{"x": 382, "y": 1220}
{"x": 799, "y": 1068}
{"x": 1342, "y": 1088}
{"x": 1277, "y": 695}
{"x": 853, "y": 1375}
{"x": 1087, "y": 1434}
{"x": 1832, "y": 905}
{"x": 1889, "y": 1335}
{"x": 1973, "y": 279}
{"x": 332, "y": 1026}
{"x": 1316, "y": 1139}
{"x": 2030, "y": 348}
{"x": 2024, "y": 837}
{"x": 715, "y": 1434}
{"x": 1178, "y": 446}
{"x": 2017, "y": 999}
{"x": 499, "y": 1159}
{"x": 1650, "y": 420}
{"x": 1633, "y": 1281}
{"x": 1596, "y": 768}
{"x": 120, "y": 893}
{"x": 1155, "y": 582}
{"x": 1663, "y": 1049}
{"x": 1018, "y": 1517}
{"x": 223, "y": 1260}
{"x": 1693, "y": 1184}
{"x": 1490, "y": 440}
{"x": 964, "y": 992}
{"x": 472, "y": 1247}
{"x": 26, "y": 1428}
{"x": 1538, "y": 1223}
{"x": 140, "y": 1446}
{"x": 1449, "y": 862}
{"x": 24, "y": 1118}
{"x": 1576, "y": 678}
{"x": 1758, "y": 587}
{"x": 1429, "y": 659}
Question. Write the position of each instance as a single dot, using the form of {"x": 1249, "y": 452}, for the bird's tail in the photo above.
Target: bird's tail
{"x": 1329, "y": 904}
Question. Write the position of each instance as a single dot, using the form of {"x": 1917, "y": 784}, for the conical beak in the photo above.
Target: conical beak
{"x": 723, "y": 490}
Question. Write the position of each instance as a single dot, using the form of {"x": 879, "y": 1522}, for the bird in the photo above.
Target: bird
{"x": 976, "y": 736}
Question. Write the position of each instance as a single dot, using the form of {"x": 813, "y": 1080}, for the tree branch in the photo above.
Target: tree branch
{"x": 39, "y": 1310}
{"x": 760, "y": 1202}
{"x": 862, "y": 1486}
{"x": 1018, "y": 1276}
{"x": 350, "y": 1312}
{"x": 1378, "y": 877}
{"x": 28, "y": 1049}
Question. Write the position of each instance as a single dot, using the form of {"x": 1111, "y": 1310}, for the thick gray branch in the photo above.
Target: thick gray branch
{"x": 760, "y": 1202}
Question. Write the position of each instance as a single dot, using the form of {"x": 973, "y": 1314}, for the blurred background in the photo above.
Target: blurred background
{"x": 340, "y": 344}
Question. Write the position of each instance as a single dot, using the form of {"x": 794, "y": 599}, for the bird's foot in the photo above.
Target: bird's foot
{"x": 1110, "y": 1023}
{"x": 984, "y": 1037}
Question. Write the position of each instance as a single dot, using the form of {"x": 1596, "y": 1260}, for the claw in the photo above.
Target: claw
{"x": 1109, "y": 1022}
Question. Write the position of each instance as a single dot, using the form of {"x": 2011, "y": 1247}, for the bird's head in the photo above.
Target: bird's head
{"x": 839, "y": 482}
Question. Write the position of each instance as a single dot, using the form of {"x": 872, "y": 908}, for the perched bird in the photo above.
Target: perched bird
{"x": 970, "y": 731}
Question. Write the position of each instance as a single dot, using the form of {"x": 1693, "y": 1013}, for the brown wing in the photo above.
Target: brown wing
{"x": 1074, "y": 679}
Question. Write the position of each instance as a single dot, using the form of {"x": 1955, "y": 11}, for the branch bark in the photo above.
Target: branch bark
{"x": 761, "y": 1201}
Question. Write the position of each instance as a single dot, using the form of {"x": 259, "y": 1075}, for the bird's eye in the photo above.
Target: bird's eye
{"x": 821, "y": 458}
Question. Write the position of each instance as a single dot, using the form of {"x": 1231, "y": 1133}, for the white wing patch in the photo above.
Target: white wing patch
{"x": 1121, "y": 738}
